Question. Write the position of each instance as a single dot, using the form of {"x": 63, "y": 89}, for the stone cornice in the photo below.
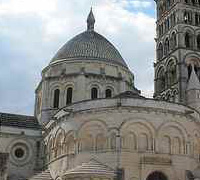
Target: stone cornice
{"x": 131, "y": 105}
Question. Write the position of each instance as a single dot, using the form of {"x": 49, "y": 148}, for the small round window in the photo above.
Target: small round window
{"x": 19, "y": 153}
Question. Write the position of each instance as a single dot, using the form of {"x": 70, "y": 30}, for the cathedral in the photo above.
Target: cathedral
{"x": 91, "y": 122}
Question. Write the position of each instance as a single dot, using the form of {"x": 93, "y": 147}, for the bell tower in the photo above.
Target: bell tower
{"x": 177, "y": 48}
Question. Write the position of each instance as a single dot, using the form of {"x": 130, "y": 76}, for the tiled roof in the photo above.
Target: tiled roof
{"x": 21, "y": 121}
{"x": 89, "y": 45}
{"x": 129, "y": 94}
{"x": 45, "y": 175}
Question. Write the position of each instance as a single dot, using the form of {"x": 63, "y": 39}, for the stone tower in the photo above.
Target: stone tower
{"x": 177, "y": 46}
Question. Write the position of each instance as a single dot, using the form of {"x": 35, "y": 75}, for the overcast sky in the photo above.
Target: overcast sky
{"x": 31, "y": 32}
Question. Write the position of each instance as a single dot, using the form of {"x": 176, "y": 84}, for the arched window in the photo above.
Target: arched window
{"x": 69, "y": 95}
{"x": 188, "y": 40}
{"x": 108, "y": 93}
{"x": 56, "y": 98}
{"x": 196, "y": 19}
{"x": 161, "y": 80}
{"x": 160, "y": 51}
{"x": 166, "y": 46}
{"x": 157, "y": 176}
{"x": 94, "y": 93}
{"x": 189, "y": 71}
{"x": 193, "y": 2}
{"x": 173, "y": 40}
{"x": 171, "y": 71}
{"x": 174, "y": 19}
{"x": 188, "y": 17}
{"x": 168, "y": 4}
{"x": 198, "y": 41}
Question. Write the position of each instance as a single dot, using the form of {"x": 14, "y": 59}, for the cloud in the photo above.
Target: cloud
{"x": 141, "y": 4}
{"x": 31, "y": 32}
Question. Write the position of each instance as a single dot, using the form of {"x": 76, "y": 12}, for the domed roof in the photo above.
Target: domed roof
{"x": 89, "y": 45}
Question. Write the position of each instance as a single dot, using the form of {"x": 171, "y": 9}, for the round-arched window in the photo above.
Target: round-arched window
{"x": 157, "y": 176}
{"x": 108, "y": 93}
{"x": 69, "y": 96}
{"x": 94, "y": 93}
{"x": 198, "y": 41}
{"x": 188, "y": 40}
{"x": 56, "y": 98}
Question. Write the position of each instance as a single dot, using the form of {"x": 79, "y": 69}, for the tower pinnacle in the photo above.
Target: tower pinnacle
{"x": 90, "y": 21}
{"x": 193, "y": 83}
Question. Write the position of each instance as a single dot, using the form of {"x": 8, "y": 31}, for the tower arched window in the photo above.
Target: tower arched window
{"x": 189, "y": 71}
{"x": 197, "y": 19}
{"x": 171, "y": 73}
{"x": 173, "y": 40}
{"x": 94, "y": 93}
{"x": 198, "y": 41}
{"x": 193, "y": 2}
{"x": 69, "y": 95}
{"x": 108, "y": 93}
{"x": 168, "y": 4}
{"x": 161, "y": 80}
{"x": 160, "y": 51}
{"x": 187, "y": 40}
{"x": 174, "y": 19}
{"x": 188, "y": 17}
{"x": 56, "y": 98}
{"x": 166, "y": 46}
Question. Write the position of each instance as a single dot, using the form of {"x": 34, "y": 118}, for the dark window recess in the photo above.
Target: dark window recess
{"x": 187, "y": 40}
{"x": 69, "y": 95}
{"x": 19, "y": 153}
{"x": 94, "y": 93}
{"x": 198, "y": 41}
{"x": 157, "y": 176}
{"x": 189, "y": 71}
{"x": 56, "y": 98}
{"x": 108, "y": 93}
{"x": 193, "y": 2}
{"x": 38, "y": 148}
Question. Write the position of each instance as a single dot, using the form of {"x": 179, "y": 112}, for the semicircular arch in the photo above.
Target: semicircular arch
{"x": 141, "y": 122}
{"x": 173, "y": 124}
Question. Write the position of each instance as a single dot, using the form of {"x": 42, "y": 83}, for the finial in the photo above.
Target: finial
{"x": 90, "y": 21}
{"x": 193, "y": 82}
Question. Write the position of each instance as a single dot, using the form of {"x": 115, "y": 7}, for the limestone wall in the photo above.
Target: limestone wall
{"x": 141, "y": 136}
{"x": 25, "y": 151}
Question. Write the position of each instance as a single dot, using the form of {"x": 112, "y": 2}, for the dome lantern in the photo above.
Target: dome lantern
{"x": 90, "y": 21}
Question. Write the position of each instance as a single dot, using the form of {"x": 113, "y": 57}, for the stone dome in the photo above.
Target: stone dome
{"x": 89, "y": 45}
